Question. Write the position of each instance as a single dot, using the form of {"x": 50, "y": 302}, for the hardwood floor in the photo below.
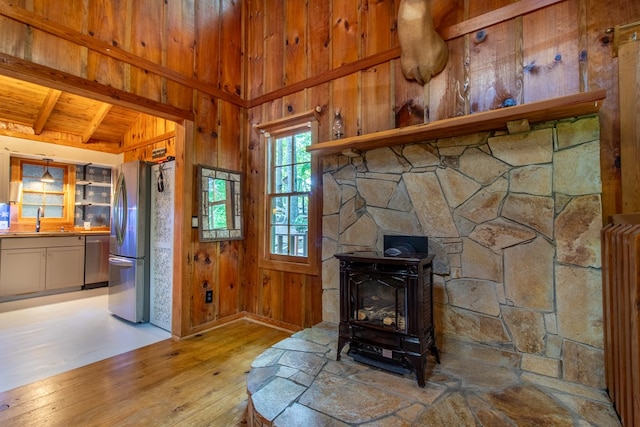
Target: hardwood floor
{"x": 198, "y": 381}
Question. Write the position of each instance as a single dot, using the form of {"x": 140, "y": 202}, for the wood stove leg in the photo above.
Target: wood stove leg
{"x": 419, "y": 363}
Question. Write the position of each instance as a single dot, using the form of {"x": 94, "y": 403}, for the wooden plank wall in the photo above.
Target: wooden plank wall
{"x": 557, "y": 50}
{"x": 217, "y": 143}
{"x": 277, "y": 58}
{"x": 553, "y": 51}
{"x": 147, "y": 134}
{"x": 194, "y": 52}
{"x": 629, "y": 57}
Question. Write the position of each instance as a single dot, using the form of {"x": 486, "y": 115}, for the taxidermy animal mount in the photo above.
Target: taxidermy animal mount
{"x": 423, "y": 53}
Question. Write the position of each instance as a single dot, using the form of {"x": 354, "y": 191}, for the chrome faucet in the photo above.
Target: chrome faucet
{"x": 39, "y": 215}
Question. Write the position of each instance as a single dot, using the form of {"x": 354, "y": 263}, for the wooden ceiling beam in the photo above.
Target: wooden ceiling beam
{"x": 45, "y": 110}
{"x": 95, "y": 122}
{"x": 20, "y": 69}
{"x": 16, "y": 130}
{"x": 23, "y": 16}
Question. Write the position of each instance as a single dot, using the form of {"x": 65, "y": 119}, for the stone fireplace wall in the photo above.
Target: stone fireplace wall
{"x": 514, "y": 220}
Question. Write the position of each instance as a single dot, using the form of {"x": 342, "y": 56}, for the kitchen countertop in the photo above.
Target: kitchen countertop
{"x": 11, "y": 234}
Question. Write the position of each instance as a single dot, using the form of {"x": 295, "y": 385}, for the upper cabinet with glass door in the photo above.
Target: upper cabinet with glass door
{"x": 93, "y": 196}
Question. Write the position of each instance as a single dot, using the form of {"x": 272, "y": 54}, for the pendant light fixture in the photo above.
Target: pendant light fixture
{"x": 46, "y": 176}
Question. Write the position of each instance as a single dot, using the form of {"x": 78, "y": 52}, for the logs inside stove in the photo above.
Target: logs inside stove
{"x": 386, "y": 310}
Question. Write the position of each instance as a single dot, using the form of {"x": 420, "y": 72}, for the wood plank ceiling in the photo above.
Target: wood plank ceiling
{"x": 33, "y": 110}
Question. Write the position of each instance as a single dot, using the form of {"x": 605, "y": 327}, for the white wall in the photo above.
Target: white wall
{"x": 57, "y": 153}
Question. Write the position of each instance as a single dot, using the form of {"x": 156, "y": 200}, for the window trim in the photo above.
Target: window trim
{"x": 67, "y": 220}
{"x": 310, "y": 263}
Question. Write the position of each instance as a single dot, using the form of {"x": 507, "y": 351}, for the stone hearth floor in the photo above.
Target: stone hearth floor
{"x": 298, "y": 382}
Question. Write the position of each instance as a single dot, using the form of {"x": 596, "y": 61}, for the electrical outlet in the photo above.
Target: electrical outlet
{"x": 208, "y": 297}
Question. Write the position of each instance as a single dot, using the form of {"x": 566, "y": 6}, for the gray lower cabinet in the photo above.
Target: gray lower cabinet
{"x": 36, "y": 264}
{"x": 22, "y": 271}
{"x": 65, "y": 267}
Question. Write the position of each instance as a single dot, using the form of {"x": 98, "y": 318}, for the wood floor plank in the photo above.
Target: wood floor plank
{"x": 194, "y": 381}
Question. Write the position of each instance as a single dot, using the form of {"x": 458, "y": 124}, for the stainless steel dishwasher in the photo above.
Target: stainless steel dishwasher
{"x": 96, "y": 262}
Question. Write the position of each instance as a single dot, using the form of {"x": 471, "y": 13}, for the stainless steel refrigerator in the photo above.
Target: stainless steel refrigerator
{"x": 129, "y": 244}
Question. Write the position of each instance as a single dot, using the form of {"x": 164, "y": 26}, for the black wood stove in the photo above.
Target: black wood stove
{"x": 386, "y": 310}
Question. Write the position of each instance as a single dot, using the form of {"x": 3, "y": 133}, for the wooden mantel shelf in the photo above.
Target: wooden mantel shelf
{"x": 580, "y": 104}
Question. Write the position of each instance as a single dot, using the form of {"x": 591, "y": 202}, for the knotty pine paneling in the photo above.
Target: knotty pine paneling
{"x": 603, "y": 73}
{"x": 230, "y": 254}
{"x": 319, "y": 53}
{"x": 184, "y": 234}
{"x": 292, "y": 295}
{"x": 147, "y": 43}
{"x": 50, "y": 50}
{"x": 550, "y": 40}
{"x": 492, "y": 67}
{"x": 230, "y": 151}
{"x": 231, "y": 75}
{"x": 219, "y": 143}
{"x": 229, "y": 278}
{"x": 146, "y": 153}
{"x": 263, "y": 47}
{"x": 312, "y": 308}
{"x": 253, "y": 213}
{"x": 447, "y": 13}
{"x": 629, "y": 63}
{"x": 66, "y": 112}
{"x": 479, "y": 7}
{"x": 207, "y": 18}
{"x": 146, "y": 128}
{"x": 145, "y": 135}
{"x": 346, "y": 48}
{"x": 295, "y": 58}
{"x": 449, "y": 90}
{"x": 14, "y": 40}
{"x": 204, "y": 278}
{"x": 271, "y": 294}
{"x": 273, "y": 51}
{"x": 378, "y": 34}
{"x": 179, "y": 48}
{"x": 206, "y": 137}
{"x": 104, "y": 22}
{"x": 255, "y": 31}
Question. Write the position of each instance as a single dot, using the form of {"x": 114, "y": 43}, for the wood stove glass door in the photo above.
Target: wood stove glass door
{"x": 379, "y": 299}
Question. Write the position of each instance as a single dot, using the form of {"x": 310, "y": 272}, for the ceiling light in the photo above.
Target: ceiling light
{"x": 46, "y": 176}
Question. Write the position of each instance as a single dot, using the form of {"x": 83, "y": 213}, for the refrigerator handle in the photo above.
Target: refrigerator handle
{"x": 120, "y": 209}
{"x": 120, "y": 262}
